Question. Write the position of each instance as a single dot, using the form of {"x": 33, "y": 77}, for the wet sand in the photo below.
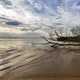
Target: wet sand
{"x": 30, "y": 63}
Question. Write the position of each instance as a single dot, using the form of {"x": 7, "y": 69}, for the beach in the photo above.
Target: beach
{"x": 19, "y": 61}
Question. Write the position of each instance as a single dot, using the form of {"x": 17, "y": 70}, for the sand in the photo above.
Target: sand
{"x": 21, "y": 62}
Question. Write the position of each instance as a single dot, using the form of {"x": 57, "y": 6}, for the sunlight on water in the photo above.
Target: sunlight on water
{"x": 7, "y": 43}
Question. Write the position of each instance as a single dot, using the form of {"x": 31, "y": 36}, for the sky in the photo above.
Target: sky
{"x": 30, "y": 11}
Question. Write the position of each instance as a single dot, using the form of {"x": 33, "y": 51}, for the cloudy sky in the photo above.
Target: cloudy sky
{"x": 28, "y": 11}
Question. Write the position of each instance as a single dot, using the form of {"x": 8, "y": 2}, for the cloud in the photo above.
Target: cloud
{"x": 28, "y": 11}
{"x": 73, "y": 6}
{"x": 45, "y": 11}
{"x": 17, "y": 13}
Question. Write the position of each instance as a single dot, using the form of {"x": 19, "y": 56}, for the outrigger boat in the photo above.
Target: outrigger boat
{"x": 63, "y": 40}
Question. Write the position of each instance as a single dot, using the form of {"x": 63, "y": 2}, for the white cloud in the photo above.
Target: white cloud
{"x": 26, "y": 16}
{"x": 17, "y": 13}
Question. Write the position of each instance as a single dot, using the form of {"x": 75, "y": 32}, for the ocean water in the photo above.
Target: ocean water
{"x": 7, "y": 43}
